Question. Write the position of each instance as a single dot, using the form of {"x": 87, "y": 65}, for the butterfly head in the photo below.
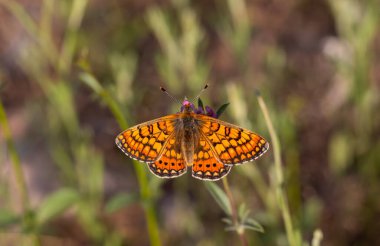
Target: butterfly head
{"x": 187, "y": 106}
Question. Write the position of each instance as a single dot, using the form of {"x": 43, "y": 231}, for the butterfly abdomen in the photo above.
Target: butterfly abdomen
{"x": 190, "y": 139}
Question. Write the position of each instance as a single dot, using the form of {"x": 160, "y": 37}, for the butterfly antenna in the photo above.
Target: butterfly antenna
{"x": 167, "y": 93}
{"x": 200, "y": 93}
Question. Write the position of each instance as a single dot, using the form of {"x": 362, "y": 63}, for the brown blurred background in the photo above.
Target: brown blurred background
{"x": 73, "y": 74}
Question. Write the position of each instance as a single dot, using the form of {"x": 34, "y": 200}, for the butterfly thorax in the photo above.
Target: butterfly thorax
{"x": 187, "y": 132}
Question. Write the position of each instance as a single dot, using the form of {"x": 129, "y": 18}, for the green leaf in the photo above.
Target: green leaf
{"x": 200, "y": 104}
{"x": 56, "y": 204}
{"x": 231, "y": 228}
{"x": 8, "y": 218}
{"x": 252, "y": 224}
{"x": 91, "y": 82}
{"x": 220, "y": 197}
{"x": 119, "y": 201}
{"x": 228, "y": 221}
{"x": 243, "y": 212}
{"x": 221, "y": 109}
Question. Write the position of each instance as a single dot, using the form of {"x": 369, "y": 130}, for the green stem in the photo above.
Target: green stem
{"x": 28, "y": 222}
{"x": 234, "y": 214}
{"x": 142, "y": 178}
{"x": 279, "y": 175}
{"x": 75, "y": 18}
{"x": 15, "y": 160}
{"x": 146, "y": 197}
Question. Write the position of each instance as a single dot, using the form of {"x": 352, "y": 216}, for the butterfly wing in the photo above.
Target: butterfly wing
{"x": 232, "y": 144}
{"x": 206, "y": 166}
{"x": 171, "y": 163}
{"x": 146, "y": 142}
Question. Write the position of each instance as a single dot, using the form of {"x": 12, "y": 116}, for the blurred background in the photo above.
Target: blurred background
{"x": 73, "y": 74}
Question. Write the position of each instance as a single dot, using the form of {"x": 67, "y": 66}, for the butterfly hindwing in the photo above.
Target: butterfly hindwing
{"x": 206, "y": 166}
{"x": 233, "y": 145}
{"x": 170, "y": 164}
{"x": 145, "y": 142}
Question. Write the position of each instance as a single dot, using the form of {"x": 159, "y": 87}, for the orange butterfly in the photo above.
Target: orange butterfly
{"x": 172, "y": 143}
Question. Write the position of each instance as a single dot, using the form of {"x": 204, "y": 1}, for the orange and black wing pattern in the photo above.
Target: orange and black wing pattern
{"x": 233, "y": 145}
{"x": 146, "y": 142}
{"x": 171, "y": 163}
{"x": 206, "y": 166}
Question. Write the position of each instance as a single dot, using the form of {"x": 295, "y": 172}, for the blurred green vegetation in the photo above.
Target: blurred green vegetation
{"x": 74, "y": 73}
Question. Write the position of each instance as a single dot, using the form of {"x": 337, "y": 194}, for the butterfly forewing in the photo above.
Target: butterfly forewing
{"x": 232, "y": 144}
{"x": 146, "y": 142}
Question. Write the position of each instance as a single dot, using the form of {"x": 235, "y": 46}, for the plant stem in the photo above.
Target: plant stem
{"x": 76, "y": 14}
{"x": 15, "y": 160}
{"x": 148, "y": 205}
{"x": 142, "y": 178}
{"x": 279, "y": 175}
{"x": 234, "y": 214}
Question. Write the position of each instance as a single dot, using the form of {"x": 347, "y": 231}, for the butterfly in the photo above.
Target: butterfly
{"x": 171, "y": 144}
